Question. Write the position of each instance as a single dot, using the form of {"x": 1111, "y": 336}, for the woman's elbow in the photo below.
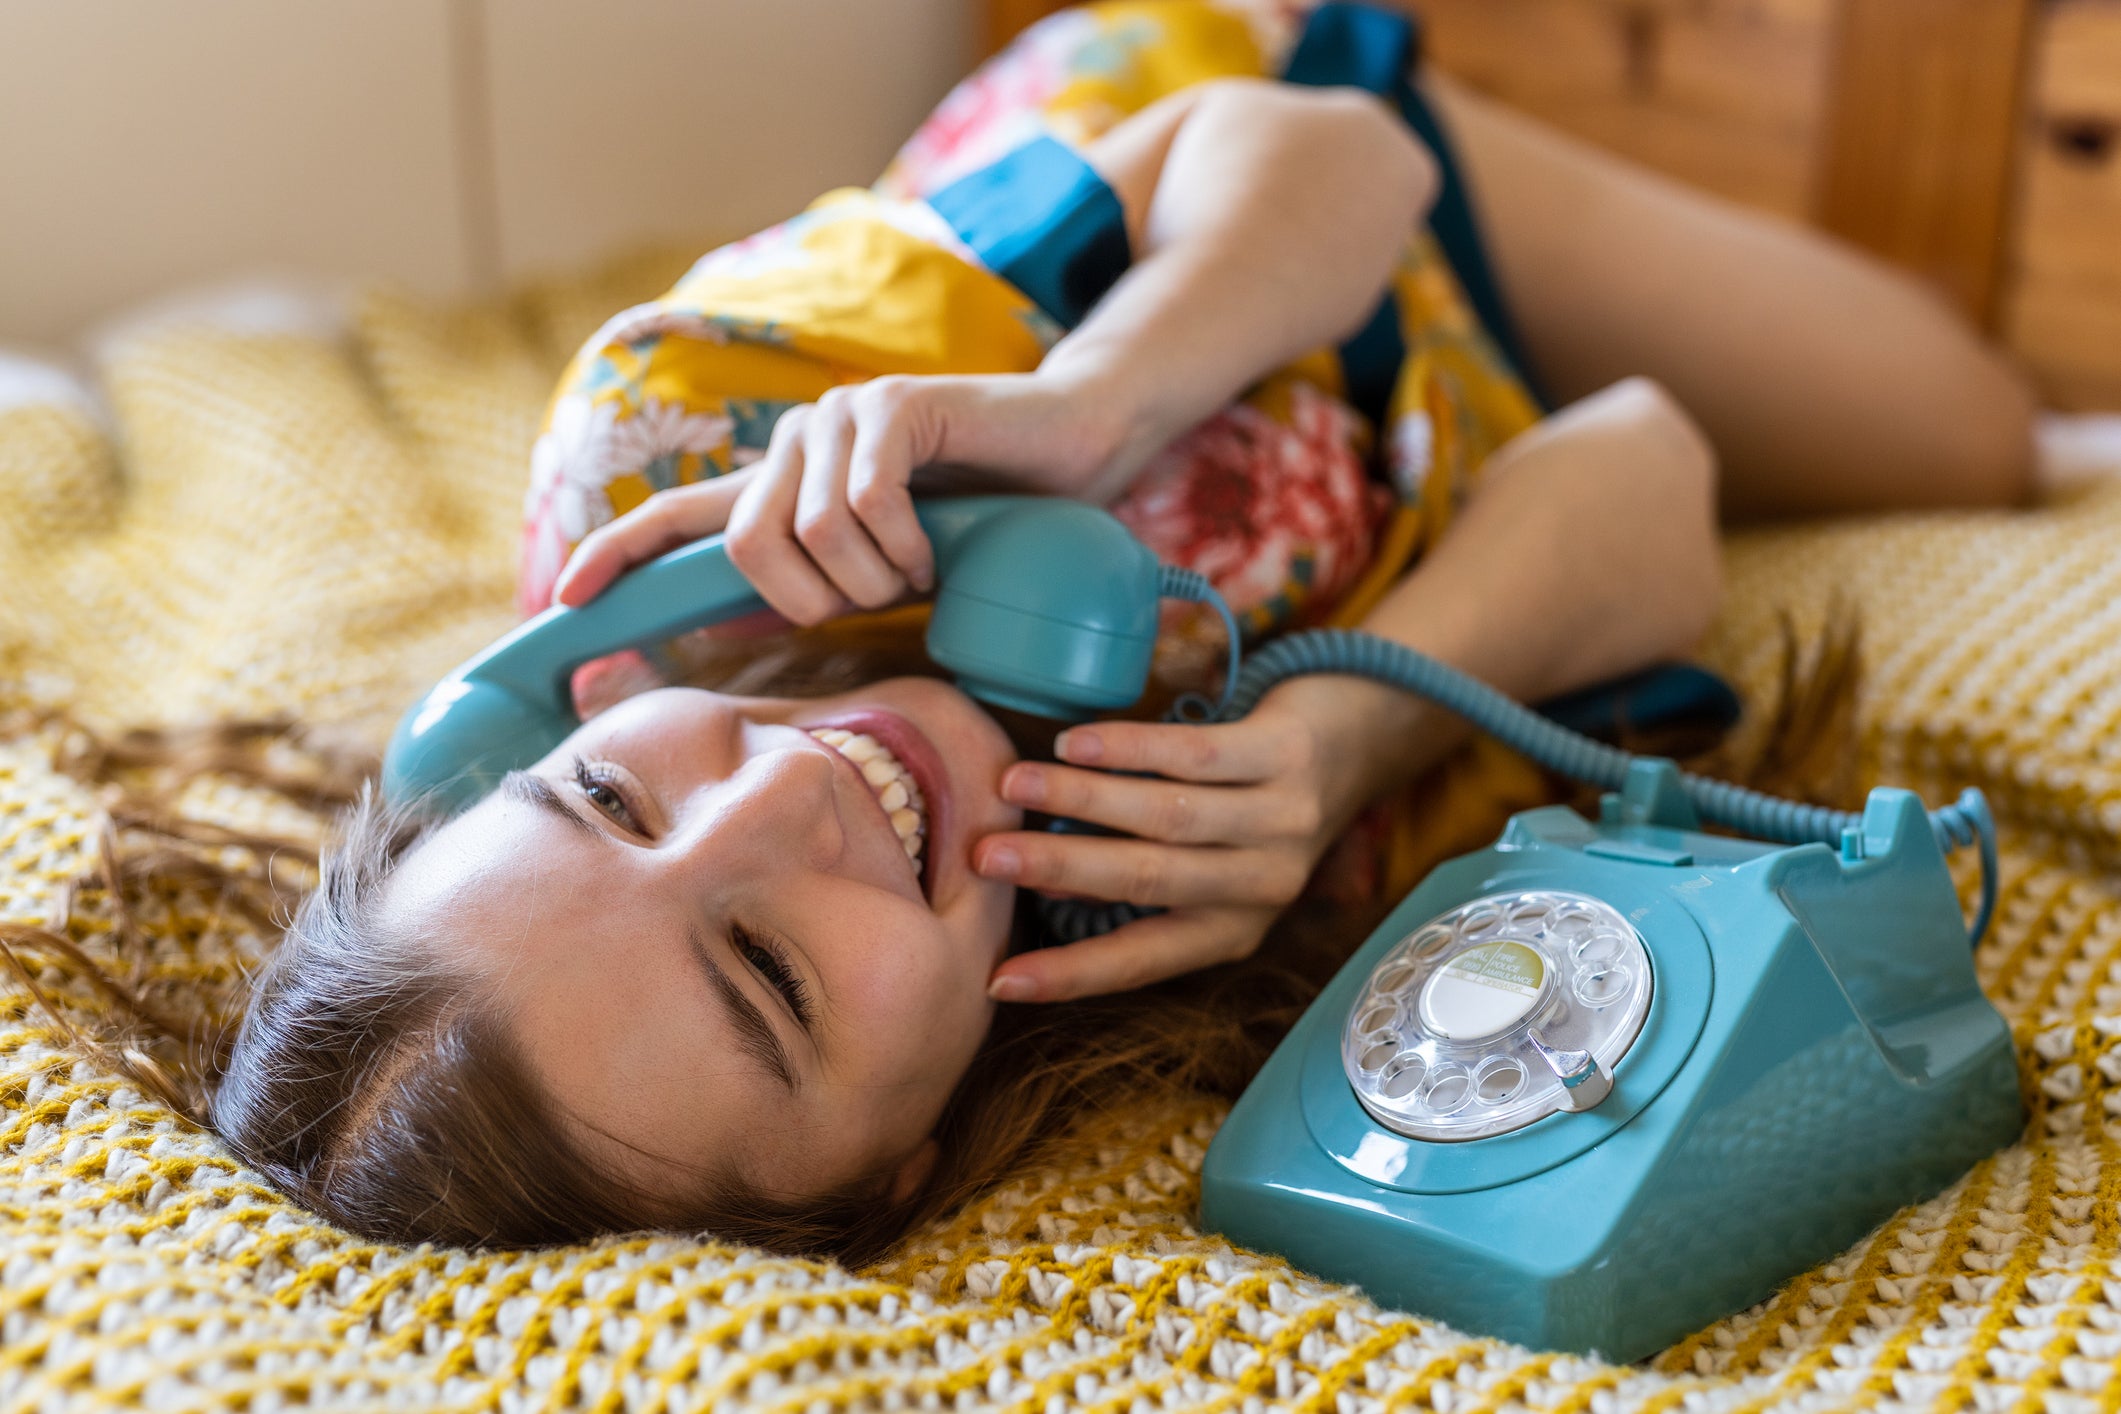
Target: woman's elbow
{"x": 1345, "y": 148}
{"x": 1392, "y": 168}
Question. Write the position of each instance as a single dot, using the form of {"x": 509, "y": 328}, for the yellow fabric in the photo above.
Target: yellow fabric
{"x": 1188, "y": 42}
{"x": 321, "y": 525}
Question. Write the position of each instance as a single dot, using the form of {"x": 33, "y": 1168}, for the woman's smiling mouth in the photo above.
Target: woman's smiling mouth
{"x": 889, "y": 781}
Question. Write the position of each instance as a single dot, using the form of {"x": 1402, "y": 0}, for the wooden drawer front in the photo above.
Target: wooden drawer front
{"x": 2063, "y": 312}
{"x": 1726, "y": 94}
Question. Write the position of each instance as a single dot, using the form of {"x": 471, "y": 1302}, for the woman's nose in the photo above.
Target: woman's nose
{"x": 776, "y": 806}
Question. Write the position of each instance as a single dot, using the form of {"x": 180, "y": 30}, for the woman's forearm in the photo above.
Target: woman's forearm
{"x": 1589, "y": 550}
{"x": 1268, "y": 220}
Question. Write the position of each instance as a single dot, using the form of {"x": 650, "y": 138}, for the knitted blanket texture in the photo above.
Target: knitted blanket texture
{"x": 272, "y": 511}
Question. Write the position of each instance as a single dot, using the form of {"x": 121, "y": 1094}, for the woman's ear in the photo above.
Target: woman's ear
{"x": 914, "y": 1171}
{"x": 606, "y": 682}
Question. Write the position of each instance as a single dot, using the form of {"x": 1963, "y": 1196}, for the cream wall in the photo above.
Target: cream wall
{"x": 148, "y": 145}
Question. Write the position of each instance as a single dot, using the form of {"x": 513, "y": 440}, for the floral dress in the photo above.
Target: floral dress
{"x": 981, "y": 245}
{"x": 986, "y": 240}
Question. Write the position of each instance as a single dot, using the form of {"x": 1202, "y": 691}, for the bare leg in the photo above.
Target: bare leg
{"x": 1826, "y": 380}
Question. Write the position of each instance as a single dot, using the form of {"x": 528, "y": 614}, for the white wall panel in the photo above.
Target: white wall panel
{"x": 146, "y": 144}
{"x": 699, "y": 120}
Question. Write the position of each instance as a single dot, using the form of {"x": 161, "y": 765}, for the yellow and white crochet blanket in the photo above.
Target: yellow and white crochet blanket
{"x": 278, "y": 511}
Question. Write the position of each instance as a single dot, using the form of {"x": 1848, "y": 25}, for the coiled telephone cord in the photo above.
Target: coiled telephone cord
{"x": 1354, "y": 654}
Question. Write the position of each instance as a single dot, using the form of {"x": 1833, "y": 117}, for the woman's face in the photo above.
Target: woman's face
{"x": 701, "y": 918}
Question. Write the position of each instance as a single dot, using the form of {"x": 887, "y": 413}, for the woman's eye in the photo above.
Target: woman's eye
{"x": 771, "y": 965}
{"x": 597, "y": 788}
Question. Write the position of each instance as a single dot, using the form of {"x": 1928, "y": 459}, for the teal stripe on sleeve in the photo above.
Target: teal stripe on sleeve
{"x": 1044, "y": 220}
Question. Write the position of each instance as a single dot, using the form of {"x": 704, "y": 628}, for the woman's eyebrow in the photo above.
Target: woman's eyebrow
{"x": 537, "y": 791}
{"x": 754, "y": 1032}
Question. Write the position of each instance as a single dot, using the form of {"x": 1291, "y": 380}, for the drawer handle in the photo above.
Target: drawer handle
{"x": 2084, "y": 138}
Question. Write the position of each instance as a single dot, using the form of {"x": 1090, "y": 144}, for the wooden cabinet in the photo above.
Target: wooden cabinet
{"x": 2062, "y": 304}
{"x": 1975, "y": 142}
{"x": 1724, "y": 93}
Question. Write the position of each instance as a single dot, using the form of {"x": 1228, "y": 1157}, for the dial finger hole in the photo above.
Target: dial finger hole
{"x": 1449, "y": 1088}
{"x": 1480, "y": 922}
{"x": 1428, "y": 940}
{"x": 1377, "y": 1054}
{"x": 1602, "y": 985}
{"x": 1404, "y": 1078}
{"x": 1571, "y": 921}
{"x": 1376, "y": 1019}
{"x": 1527, "y": 916}
{"x": 1392, "y": 979}
{"x": 1600, "y": 947}
{"x": 1499, "y": 1082}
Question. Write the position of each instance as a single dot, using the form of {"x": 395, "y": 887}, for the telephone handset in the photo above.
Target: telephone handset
{"x": 1042, "y": 605}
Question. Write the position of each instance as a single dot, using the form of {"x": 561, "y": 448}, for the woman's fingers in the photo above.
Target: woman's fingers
{"x": 1146, "y": 951}
{"x": 762, "y": 541}
{"x": 822, "y": 522}
{"x": 829, "y": 523}
{"x": 1140, "y": 871}
{"x": 879, "y": 491}
{"x": 661, "y": 523}
{"x": 1176, "y": 812}
{"x": 826, "y": 526}
{"x": 1230, "y": 753}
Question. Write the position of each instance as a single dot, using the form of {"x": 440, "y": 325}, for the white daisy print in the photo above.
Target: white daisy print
{"x": 1410, "y": 454}
{"x": 571, "y": 464}
{"x": 651, "y": 440}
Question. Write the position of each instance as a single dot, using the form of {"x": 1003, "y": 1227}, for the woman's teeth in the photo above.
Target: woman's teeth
{"x": 893, "y": 784}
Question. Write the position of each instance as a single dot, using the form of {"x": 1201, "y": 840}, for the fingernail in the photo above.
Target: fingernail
{"x": 1080, "y": 746}
{"x": 923, "y": 581}
{"x": 1001, "y": 862}
{"x": 1024, "y": 785}
{"x": 1012, "y": 989}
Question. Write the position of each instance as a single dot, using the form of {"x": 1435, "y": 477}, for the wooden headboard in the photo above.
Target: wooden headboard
{"x": 1923, "y": 130}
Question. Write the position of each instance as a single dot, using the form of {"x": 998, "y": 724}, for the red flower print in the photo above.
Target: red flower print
{"x": 1262, "y": 508}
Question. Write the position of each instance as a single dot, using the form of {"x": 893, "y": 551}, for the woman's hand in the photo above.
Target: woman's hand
{"x": 1226, "y": 833}
{"x": 824, "y": 523}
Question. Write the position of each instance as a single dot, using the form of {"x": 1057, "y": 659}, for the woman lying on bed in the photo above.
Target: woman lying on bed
{"x": 753, "y": 963}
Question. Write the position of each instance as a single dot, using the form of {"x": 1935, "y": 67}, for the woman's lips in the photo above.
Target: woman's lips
{"x": 921, "y": 760}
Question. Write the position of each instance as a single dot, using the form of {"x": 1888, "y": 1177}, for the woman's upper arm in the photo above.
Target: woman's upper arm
{"x": 1269, "y": 132}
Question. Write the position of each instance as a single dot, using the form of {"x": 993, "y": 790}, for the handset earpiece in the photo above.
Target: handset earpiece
{"x": 1043, "y": 605}
{"x": 1049, "y": 608}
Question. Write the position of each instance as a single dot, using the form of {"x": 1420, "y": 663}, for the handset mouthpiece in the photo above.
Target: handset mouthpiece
{"x": 512, "y": 703}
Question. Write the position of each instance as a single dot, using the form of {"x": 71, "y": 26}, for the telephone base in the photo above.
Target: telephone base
{"x": 1816, "y": 1054}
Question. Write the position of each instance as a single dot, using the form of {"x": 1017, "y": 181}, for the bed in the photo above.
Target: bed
{"x": 172, "y": 554}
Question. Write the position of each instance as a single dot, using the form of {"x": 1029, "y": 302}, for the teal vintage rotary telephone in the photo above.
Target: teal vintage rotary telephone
{"x": 1592, "y": 1087}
